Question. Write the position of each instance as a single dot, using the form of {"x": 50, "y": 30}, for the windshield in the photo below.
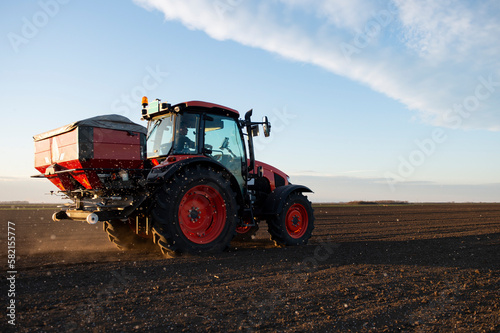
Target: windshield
{"x": 173, "y": 134}
{"x": 160, "y": 136}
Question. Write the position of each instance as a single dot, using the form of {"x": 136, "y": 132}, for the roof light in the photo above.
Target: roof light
{"x": 144, "y": 101}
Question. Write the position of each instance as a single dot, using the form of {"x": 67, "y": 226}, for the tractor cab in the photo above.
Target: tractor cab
{"x": 196, "y": 129}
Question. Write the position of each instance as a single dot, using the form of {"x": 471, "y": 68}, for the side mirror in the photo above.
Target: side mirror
{"x": 266, "y": 126}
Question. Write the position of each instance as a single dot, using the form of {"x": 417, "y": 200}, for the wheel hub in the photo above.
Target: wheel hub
{"x": 194, "y": 214}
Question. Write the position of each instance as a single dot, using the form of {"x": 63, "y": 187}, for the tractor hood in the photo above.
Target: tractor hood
{"x": 275, "y": 176}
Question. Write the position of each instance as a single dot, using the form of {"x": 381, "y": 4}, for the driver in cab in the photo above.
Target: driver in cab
{"x": 182, "y": 142}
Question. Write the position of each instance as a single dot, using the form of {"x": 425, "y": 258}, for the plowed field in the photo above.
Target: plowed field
{"x": 367, "y": 268}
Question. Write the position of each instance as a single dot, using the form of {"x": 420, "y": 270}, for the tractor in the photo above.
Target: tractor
{"x": 188, "y": 183}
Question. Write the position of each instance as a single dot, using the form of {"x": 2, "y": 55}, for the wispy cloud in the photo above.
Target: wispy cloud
{"x": 431, "y": 56}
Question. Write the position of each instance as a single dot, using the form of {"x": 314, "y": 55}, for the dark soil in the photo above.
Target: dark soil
{"x": 367, "y": 268}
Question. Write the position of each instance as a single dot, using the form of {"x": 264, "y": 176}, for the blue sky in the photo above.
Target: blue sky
{"x": 369, "y": 100}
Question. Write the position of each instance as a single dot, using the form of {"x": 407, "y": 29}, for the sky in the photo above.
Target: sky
{"x": 368, "y": 100}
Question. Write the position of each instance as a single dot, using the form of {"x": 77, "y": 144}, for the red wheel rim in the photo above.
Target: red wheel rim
{"x": 296, "y": 221}
{"x": 202, "y": 214}
{"x": 243, "y": 229}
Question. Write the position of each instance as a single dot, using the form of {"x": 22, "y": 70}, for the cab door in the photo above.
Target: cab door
{"x": 223, "y": 143}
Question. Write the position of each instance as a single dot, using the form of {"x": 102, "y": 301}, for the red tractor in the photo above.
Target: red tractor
{"x": 188, "y": 182}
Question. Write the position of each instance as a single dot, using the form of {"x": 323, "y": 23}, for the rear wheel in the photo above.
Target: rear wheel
{"x": 195, "y": 212}
{"x": 295, "y": 223}
{"x": 121, "y": 234}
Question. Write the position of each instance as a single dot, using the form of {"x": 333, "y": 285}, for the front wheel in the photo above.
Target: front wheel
{"x": 195, "y": 212}
{"x": 294, "y": 224}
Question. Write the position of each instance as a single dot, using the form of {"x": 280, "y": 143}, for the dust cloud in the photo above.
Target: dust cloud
{"x": 37, "y": 237}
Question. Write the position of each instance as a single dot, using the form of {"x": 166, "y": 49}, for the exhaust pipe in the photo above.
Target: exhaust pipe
{"x": 76, "y": 215}
{"x": 92, "y": 218}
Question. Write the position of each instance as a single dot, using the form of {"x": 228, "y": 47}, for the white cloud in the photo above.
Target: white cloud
{"x": 344, "y": 14}
{"x": 431, "y": 56}
{"x": 448, "y": 30}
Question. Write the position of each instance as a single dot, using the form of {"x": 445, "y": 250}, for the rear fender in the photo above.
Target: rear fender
{"x": 158, "y": 176}
{"x": 160, "y": 173}
{"x": 276, "y": 199}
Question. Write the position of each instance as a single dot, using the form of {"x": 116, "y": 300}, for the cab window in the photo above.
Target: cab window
{"x": 186, "y": 138}
{"x": 223, "y": 144}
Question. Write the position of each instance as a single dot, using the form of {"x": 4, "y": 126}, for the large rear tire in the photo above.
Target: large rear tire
{"x": 294, "y": 224}
{"x": 120, "y": 233}
{"x": 195, "y": 212}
